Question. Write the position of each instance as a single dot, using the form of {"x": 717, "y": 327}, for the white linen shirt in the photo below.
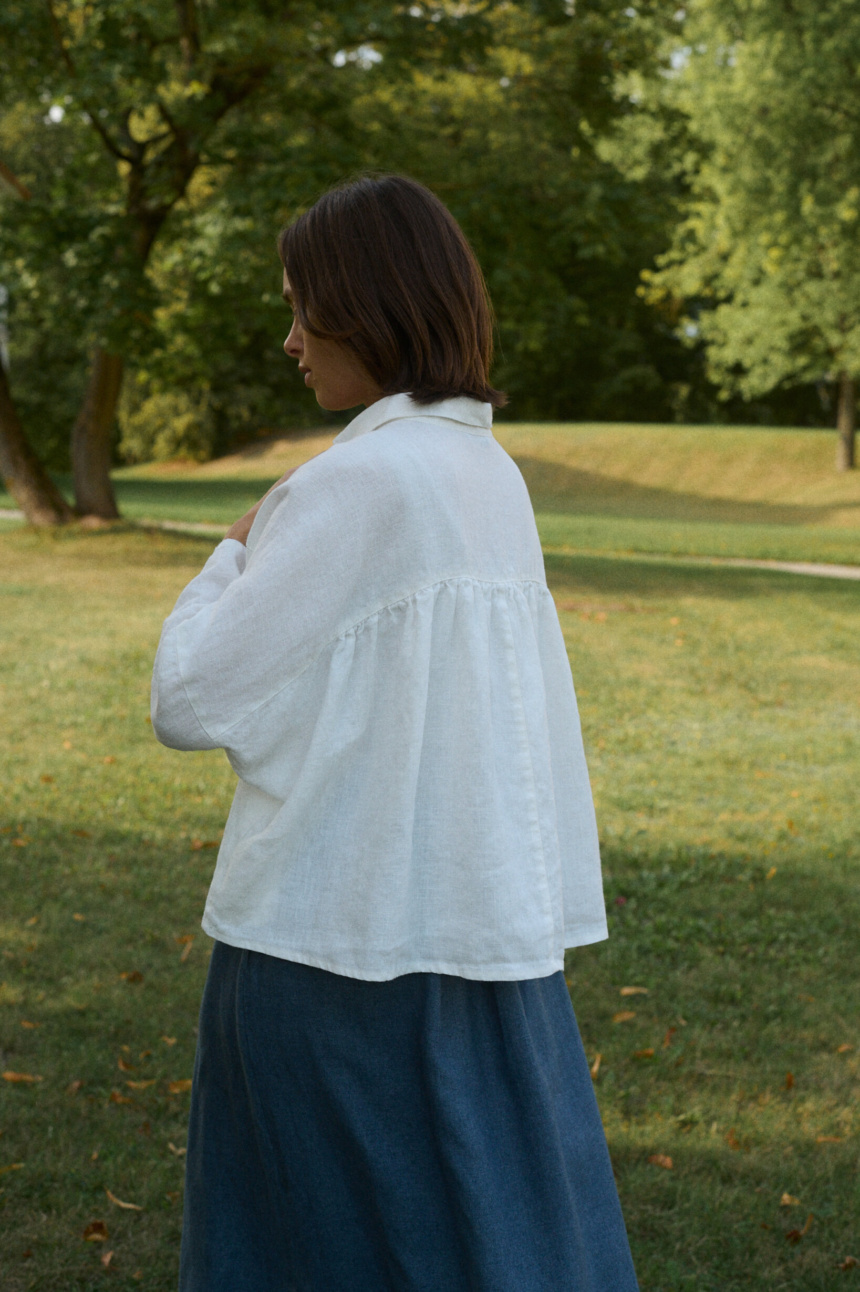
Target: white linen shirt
{"x": 384, "y": 667}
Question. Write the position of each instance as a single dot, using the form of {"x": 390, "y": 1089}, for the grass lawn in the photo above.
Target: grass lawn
{"x": 720, "y": 710}
{"x": 701, "y": 491}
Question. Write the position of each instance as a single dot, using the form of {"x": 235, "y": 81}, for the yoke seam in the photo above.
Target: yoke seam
{"x": 354, "y": 628}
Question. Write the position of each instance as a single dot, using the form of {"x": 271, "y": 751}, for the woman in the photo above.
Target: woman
{"x": 390, "y": 1092}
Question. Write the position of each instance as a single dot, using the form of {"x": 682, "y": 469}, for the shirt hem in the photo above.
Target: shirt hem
{"x": 498, "y": 971}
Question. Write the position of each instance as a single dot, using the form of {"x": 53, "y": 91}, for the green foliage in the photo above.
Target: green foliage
{"x": 163, "y": 156}
{"x": 164, "y": 152}
{"x": 117, "y": 116}
{"x": 172, "y": 424}
{"x": 562, "y": 236}
{"x": 767, "y": 255}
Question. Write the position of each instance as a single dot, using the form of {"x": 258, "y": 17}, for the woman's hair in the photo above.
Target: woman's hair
{"x": 380, "y": 265}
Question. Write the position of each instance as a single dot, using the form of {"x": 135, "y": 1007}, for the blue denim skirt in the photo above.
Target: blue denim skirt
{"x": 426, "y": 1134}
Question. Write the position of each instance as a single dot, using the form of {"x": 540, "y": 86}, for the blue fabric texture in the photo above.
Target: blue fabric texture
{"x": 429, "y": 1133}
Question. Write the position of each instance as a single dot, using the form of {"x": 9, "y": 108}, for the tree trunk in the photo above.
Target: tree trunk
{"x": 846, "y": 421}
{"x": 91, "y": 447}
{"x": 23, "y": 474}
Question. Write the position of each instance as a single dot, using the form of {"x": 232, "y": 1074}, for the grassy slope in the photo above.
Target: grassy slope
{"x": 598, "y": 488}
{"x": 720, "y": 714}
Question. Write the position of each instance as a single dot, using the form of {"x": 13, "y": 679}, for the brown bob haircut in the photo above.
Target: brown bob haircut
{"x": 380, "y": 265}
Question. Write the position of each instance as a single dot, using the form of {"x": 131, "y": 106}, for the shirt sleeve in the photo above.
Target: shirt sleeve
{"x": 174, "y": 720}
{"x": 253, "y": 619}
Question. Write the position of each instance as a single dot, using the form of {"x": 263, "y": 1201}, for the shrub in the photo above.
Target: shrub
{"x": 165, "y": 425}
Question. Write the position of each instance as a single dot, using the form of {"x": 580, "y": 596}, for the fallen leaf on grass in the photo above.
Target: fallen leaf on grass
{"x": 795, "y": 1235}
{"x": 828, "y": 1139}
{"x": 186, "y": 941}
{"x": 624, "y": 1016}
{"x": 634, "y": 991}
{"x": 117, "y": 1098}
{"x": 34, "y": 919}
{"x": 82, "y": 834}
{"x": 732, "y": 1140}
{"x": 788, "y": 1201}
{"x": 73, "y": 1087}
{"x": 198, "y": 844}
{"x": 13, "y": 1166}
{"x": 108, "y": 758}
{"x": 844, "y": 1048}
{"x": 124, "y": 1065}
{"x": 172, "y": 1195}
{"x": 140, "y": 1085}
{"x": 169, "y": 1040}
{"x": 849, "y": 1263}
{"x": 80, "y": 918}
{"x": 667, "y": 1039}
{"x": 133, "y": 975}
{"x": 179, "y": 1087}
{"x": 25, "y": 1022}
{"x": 662, "y": 1160}
{"x": 177, "y": 1152}
{"x": 46, "y": 779}
{"x": 20, "y": 842}
{"x": 789, "y": 1080}
{"x": 770, "y": 874}
{"x": 118, "y": 1202}
{"x": 138, "y": 1274}
{"x": 643, "y": 1054}
{"x": 95, "y": 1232}
{"x": 106, "y": 1258}
{"x": 25, "y": 1078}
{"x": 595, "y": 1067}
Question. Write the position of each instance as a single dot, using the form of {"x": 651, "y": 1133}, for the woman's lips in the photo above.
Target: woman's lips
{"x": 307, "y": 374}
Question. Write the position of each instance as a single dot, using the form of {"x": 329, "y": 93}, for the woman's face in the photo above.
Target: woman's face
{"x": 334, "y": 373}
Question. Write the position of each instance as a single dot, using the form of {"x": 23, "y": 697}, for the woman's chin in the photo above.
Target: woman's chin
{"x": 331, "y": 403}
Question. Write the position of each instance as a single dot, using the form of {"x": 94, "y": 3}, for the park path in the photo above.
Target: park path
{"x": 816, "y": 569}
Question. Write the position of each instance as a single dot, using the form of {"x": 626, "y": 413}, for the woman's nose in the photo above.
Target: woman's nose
{"x": 293, "y": 343}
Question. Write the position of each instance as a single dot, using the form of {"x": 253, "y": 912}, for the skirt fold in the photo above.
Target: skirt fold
{"x": 425, "y": 1134}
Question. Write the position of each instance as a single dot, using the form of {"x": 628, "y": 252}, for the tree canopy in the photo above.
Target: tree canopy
{"x": 767, "y": 255}
{"x": 151, "y": 151}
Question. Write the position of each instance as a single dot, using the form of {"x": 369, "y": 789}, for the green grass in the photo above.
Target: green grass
{"x": 700, "y": 491}
{"x": 720, "y": 712}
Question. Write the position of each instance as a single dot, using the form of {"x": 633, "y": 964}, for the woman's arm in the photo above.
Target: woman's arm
{"x": 241, "y": 527}
{"x": 255, "y": 616}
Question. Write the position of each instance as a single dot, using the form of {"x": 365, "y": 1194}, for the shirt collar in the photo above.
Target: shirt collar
{"x": 470, "y": 413}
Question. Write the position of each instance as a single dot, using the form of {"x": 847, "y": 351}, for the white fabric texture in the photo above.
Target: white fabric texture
{"x": 385, "y": 670}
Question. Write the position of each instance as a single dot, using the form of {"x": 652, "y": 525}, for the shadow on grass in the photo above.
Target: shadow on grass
{"x": 729, "y": 1064}
{"x": 660, "y": 580}
{"x": 219, "y": 501}
{"x": 755, "y": 969}
{"x": 557, "y": 488}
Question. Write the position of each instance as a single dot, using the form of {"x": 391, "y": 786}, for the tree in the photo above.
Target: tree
{"x": 767, "y": 257}
{"x": 20, "y": 469}
{"x": 514, "y": 147}
{"x": 146, "y": 96}
{"x": 511, "y": 139}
